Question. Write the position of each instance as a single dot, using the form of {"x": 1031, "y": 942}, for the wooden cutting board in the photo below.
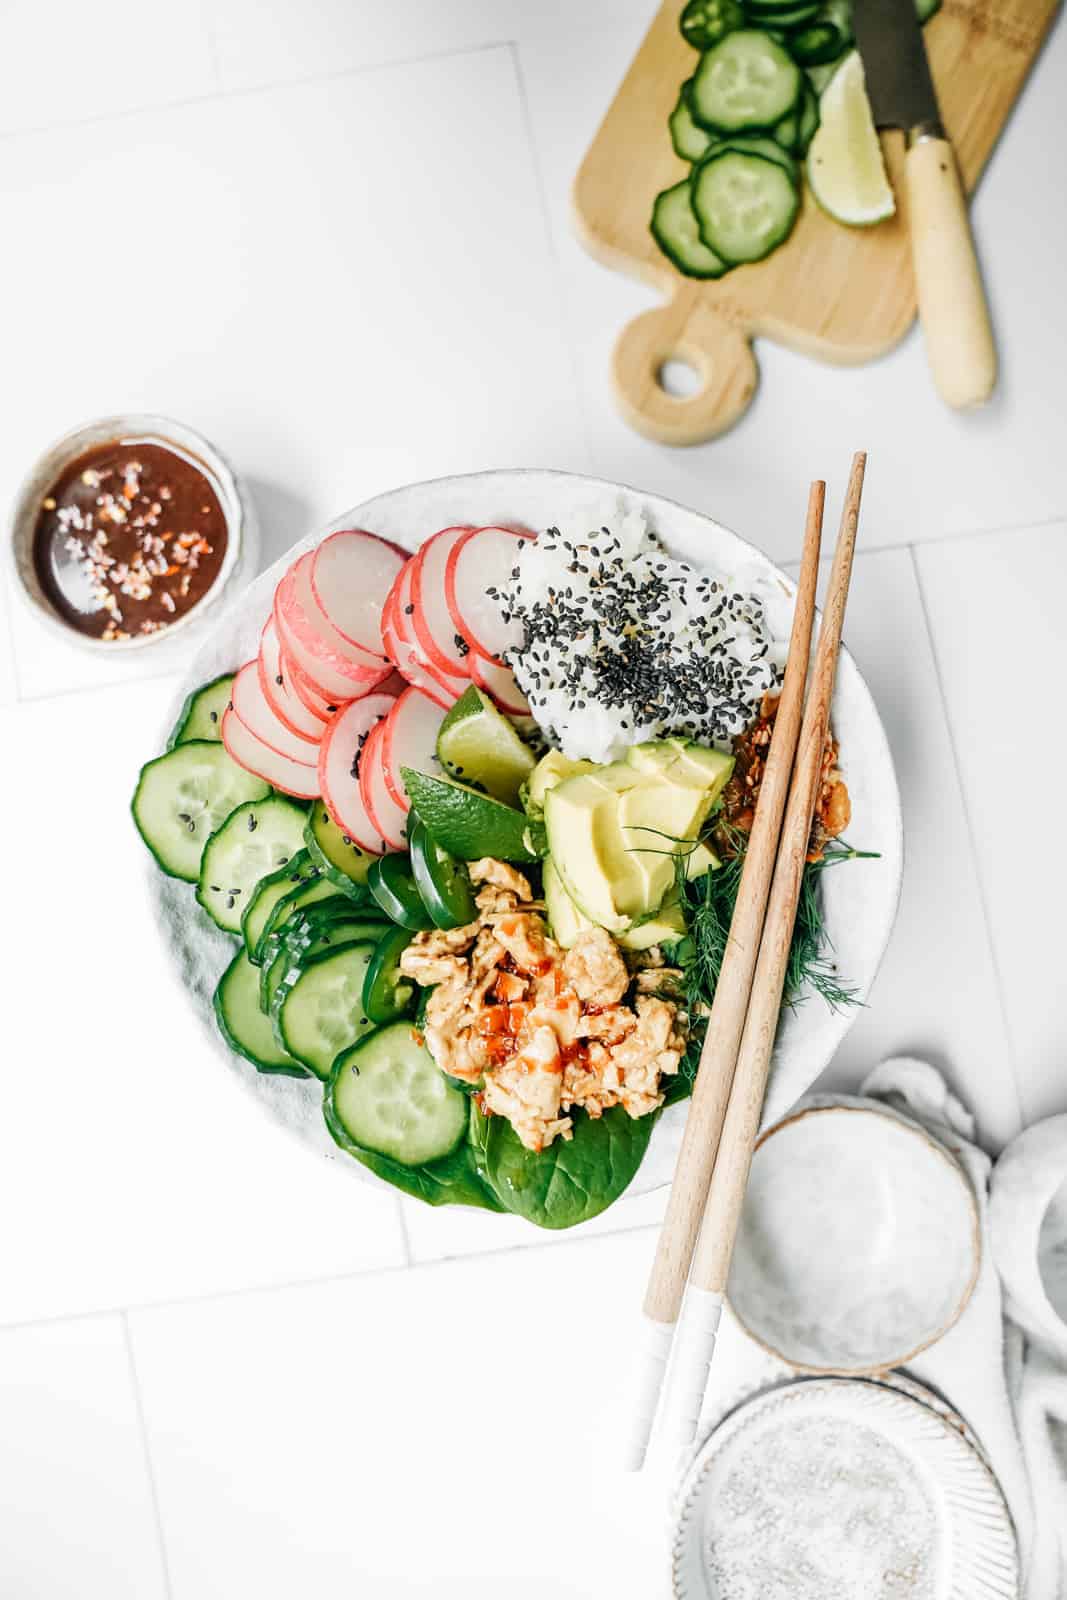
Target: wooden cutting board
{"x": 841, "y": 294}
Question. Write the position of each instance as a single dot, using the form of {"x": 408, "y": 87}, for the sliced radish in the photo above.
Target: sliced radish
{"x": 339, "y": 760}
{"x": 351, "y": 576}
{"x": 308, "y": 692}
{"x": 273, "y": 680}
{"x": 483, "y": 559}
{"x": 410, "y": 740}
{"x": 301, "y": 618}
{"x": 386, "y": 816}
{"x": 333, "y": 679}
{"x": 402, "y": 649}
{"x": 291, "y": 777}
{"x": 253, "y": 708}
{"x": 434, "y": 631}
{"x": 500, "y": 683}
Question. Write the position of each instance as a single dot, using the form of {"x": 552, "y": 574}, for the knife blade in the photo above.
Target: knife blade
{"x": 900, "y": 89}
{"x": 948, "y": 283}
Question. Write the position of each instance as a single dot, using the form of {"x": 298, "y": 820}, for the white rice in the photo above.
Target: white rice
{"x": 622, "y": 642}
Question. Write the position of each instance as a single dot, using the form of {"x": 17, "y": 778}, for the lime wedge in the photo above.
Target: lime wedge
{"x": 478, "y": 745}
{"x": 468, "y": 824}
{"x": 845, "y": 169}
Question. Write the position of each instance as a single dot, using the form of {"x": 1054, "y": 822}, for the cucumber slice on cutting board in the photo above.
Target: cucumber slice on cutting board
{"x": 674, "y": 228}
{"x": 745, "y": 204}
{"x": 845, "y": 169}
{"x": 747, "y": 81}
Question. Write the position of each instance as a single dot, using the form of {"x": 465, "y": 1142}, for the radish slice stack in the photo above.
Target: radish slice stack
{"x": 364, "y": 649}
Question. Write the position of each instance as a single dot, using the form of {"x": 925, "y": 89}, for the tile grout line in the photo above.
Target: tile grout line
{"x": 287, "y": 1285}
{"x": 563, "y": 306}
{"x": 246, "y": 91}
{"x": 957, "y": 768}
{"x": 405, "y": 1232}
{"x": 146, "y": 1448}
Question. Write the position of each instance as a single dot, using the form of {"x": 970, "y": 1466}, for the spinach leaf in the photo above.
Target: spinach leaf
{"x": 453, "y": 1180}
{"x": 571, "y": 1181}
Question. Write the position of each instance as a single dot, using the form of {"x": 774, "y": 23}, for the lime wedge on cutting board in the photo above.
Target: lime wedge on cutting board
{"x": 478, "y": 745}
{"x": 845, "y": 169}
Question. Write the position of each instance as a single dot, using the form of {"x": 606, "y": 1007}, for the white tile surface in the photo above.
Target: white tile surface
{"x": 937, "y": 995}
{"x": 63, "y": 63}
{"x": 996, "y": 610}
{"x": 448, "y": 1429}
{"x": 442, "y": 1232}
{"x": 77, "y": 1517}
{"x": 932, "y": 471}
{"x": 139, "y": 1166}
{"x": 335, "y": 321}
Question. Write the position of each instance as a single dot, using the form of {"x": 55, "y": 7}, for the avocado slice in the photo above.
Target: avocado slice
{"x": 564, "y": 918}
{"x": 554, "y": 767}
{"x": 683, "y": 761}
{"x": 667, "y": 925}
{"x": 700, "y": 860}
{"x": 586, "y": 842}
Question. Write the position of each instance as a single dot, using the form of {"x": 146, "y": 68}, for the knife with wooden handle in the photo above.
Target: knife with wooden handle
{"x": 952, "y": 302}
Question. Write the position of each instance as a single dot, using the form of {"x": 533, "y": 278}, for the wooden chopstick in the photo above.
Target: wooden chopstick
{"x": 692, "y": 1176}
{"x": 722, "y": 1212}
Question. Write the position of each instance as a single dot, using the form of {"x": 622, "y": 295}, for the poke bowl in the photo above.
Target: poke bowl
{"x": 451, "y": 813}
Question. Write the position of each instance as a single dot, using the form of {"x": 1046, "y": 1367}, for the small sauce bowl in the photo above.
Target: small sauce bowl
{"x": 242, "y": 541}
{"x": 859, "y": 1242}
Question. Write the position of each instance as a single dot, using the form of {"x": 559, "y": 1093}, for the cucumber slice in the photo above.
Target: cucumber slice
{"x": 705, "y": 22}
{"x": 690, "y": 141}
{"x": 267, "y": 894}
{"x": 746, "y": 81}
{"x": 745, "y": 205}
{"x": 297, "y": 954}
{"x": 674, "y": 228}
{"x": 815, "y": 45}
{"x": 758, "y": 144}
{"x": 336, "y": 855}
{"x": 255, "y": 839}
{"x": 388, "y": 1094}
{"x": 201, "y": 715}
{"x": 292, "y": 906}
{"x": 477, "y": 744}
{"x": 796, "y": 131}
{"x": 243, "y": 1025}
{"x": 323, "y": 1012}
{"x": 183, "y": 797}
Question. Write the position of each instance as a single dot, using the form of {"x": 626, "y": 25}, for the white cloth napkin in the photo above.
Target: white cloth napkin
{"x": 1040, "y": 1395}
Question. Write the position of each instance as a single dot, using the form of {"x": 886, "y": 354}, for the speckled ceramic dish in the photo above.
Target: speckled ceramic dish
{"x": 846, "y": 1488}
{"x": 242, "y": 539}
{"x": 859, "y": 1242}
{"x": 860, "y": 901}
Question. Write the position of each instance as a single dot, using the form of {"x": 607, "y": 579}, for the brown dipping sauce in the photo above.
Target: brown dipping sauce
{"x": 128, "y": 539}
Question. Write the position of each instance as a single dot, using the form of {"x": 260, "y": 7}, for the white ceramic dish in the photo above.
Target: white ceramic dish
{"x": 242, "y": 539}
{"x": 859, "y": 1242}
{"x": 860, "y": 899}
{"x": 843, "y": 1488}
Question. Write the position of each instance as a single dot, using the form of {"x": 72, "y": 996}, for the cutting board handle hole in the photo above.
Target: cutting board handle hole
{"x": 679, "y": 378}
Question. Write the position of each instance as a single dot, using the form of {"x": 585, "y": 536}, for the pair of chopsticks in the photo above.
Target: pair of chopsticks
{"x": 697, "y": 1237}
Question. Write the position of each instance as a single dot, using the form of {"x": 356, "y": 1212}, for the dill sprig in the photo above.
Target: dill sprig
{"x": 709, "y": 904}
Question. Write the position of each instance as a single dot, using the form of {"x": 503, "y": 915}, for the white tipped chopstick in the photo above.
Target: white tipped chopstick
{"x": 692, "y": 1177}
{"x": 722, "y": 1212}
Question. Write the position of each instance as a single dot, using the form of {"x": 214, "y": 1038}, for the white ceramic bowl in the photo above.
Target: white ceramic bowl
{"x": 242, "y": 540}
{"x": 859, "y": 1242}
{"x": 846, "y": 1488}
{"x": 860, "y": 899}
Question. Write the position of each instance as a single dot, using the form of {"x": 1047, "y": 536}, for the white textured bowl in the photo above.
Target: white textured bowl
{"x": 842, "y": 1488}
{"x": 860, "y": 899}
{"x": 859, "y": 1242}
{"x": 242, "y": 539}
